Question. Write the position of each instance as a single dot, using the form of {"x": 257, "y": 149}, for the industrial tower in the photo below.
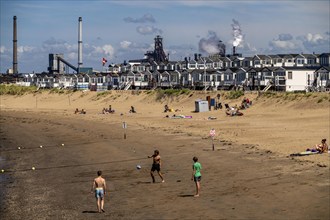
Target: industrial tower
{"x": 158, "y": 54}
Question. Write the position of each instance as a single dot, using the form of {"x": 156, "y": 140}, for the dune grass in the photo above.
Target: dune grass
{"x": 16, "y": 90}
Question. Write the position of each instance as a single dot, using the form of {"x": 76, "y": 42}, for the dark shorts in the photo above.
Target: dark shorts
{"x": 155, "y": 166}
{"x": 197, "y": 178}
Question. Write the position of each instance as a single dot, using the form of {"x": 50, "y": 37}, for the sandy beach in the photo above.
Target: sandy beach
{"x": 249, "y": 175}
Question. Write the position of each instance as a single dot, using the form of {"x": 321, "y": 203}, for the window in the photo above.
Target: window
{"x": 300, "y": 61}
{"x": 280, "y": 73}
{"x": 290, "y": 75}
{"x": 267, "y": 73}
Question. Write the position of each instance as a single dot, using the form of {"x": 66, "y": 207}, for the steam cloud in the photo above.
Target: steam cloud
{"x": 237, "y": 33}
{"x": 209, "y": 44}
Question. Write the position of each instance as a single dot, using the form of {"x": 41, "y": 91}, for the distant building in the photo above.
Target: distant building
{"x": 10, "y": 71}
{"x": 325, "y": 59}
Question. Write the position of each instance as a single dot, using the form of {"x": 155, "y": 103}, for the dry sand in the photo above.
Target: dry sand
{"x": 250, "y": 175}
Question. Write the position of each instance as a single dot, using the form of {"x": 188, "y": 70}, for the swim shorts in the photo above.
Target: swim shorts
{"x": 99, "y": 193}
{"x": 155, "y": 166}
{"x": 197, "y": 178}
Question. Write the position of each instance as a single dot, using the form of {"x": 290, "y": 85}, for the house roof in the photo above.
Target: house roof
{"x": 324, "y": 55}
{"x": 323, "y": 67}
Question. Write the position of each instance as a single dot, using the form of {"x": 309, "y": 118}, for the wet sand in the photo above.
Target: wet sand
{"x": 244, "y": 178}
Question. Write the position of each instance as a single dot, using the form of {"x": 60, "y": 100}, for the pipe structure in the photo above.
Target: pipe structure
{"x": 15, "y": 71}
{"x": 80, "y": 63}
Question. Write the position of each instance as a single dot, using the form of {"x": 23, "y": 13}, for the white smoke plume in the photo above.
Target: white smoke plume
{"x": 237, "y": 33}
{"x": 209, "y": 44}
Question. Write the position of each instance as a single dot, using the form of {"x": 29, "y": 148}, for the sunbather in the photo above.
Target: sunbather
{"x": 320, "y": 148}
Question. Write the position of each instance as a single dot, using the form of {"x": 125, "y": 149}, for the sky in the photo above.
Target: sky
{"x": 120, "y": 30}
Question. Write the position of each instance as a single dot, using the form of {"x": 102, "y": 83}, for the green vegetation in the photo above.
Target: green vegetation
{"x": 148, "y": 92}
{"x": 16, "y": 90}
{"x": 171, "y": 93}
{"x": 102, "y": 94}
{"x": 57, "y": 91}
{"x": 234, "y": 94}
{"x": 323, "y": 98}
{"x": 270, "y": 94}
{"x": 295, "y": 96}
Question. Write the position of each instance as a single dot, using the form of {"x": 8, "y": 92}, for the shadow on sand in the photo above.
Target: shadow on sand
{"x": 90, "y": 212}
{"x": 143, "y": 182}
{"x": 186, "y": 195}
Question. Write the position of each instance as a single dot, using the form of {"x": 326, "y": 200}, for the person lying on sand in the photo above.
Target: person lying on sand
{"x": 233, "y": 111}
{"x": 320, "y": 148}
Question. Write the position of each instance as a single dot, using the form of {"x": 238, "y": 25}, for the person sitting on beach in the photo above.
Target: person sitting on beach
{"x": 82, "y": 111}
{"x": 132, "y": 110}
{"x": 244, "y": 104}
{"x": 229, "y": 110}
{"x": 247, "y": 100}
{"x": 320, "y": 148}
{"x": 76, "y": 111}
{"x": 105, "y": 111}
{"x": 233, "y": 111}
{"x": 166, "y": 108}
{"x": 110, "y": 110}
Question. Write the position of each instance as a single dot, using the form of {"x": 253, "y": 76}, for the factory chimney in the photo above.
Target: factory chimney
{"x": 80, "y": 63}
{"x": 234, "y": 50}
{"x": 15, "y": 47}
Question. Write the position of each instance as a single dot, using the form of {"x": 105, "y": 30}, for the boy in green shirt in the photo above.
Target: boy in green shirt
{"x": 196, "y": 175}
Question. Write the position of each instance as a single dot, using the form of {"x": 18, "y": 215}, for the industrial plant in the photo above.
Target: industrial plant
{"x": 219, "y": 71}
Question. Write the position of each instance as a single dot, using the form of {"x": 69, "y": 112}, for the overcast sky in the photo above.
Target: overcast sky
{"x": 121, "y": 30}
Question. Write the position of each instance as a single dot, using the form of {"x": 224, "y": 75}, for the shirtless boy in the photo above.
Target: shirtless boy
{"x": 156, "y": 166}
{"x": 323, "y": 147}
{"x": 99, "y": 186}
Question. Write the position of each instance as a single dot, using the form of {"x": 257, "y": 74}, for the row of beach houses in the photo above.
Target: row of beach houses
{"x": 288, "y": 72}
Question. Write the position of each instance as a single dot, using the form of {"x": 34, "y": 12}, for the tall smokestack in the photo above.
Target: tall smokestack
{"x": 80, "y": 63}
{"x": 234, "y": 50}
{"x": 15, "y": 47}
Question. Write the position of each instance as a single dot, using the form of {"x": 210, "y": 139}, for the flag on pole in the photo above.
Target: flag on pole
{"x": 104, "y": 61}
